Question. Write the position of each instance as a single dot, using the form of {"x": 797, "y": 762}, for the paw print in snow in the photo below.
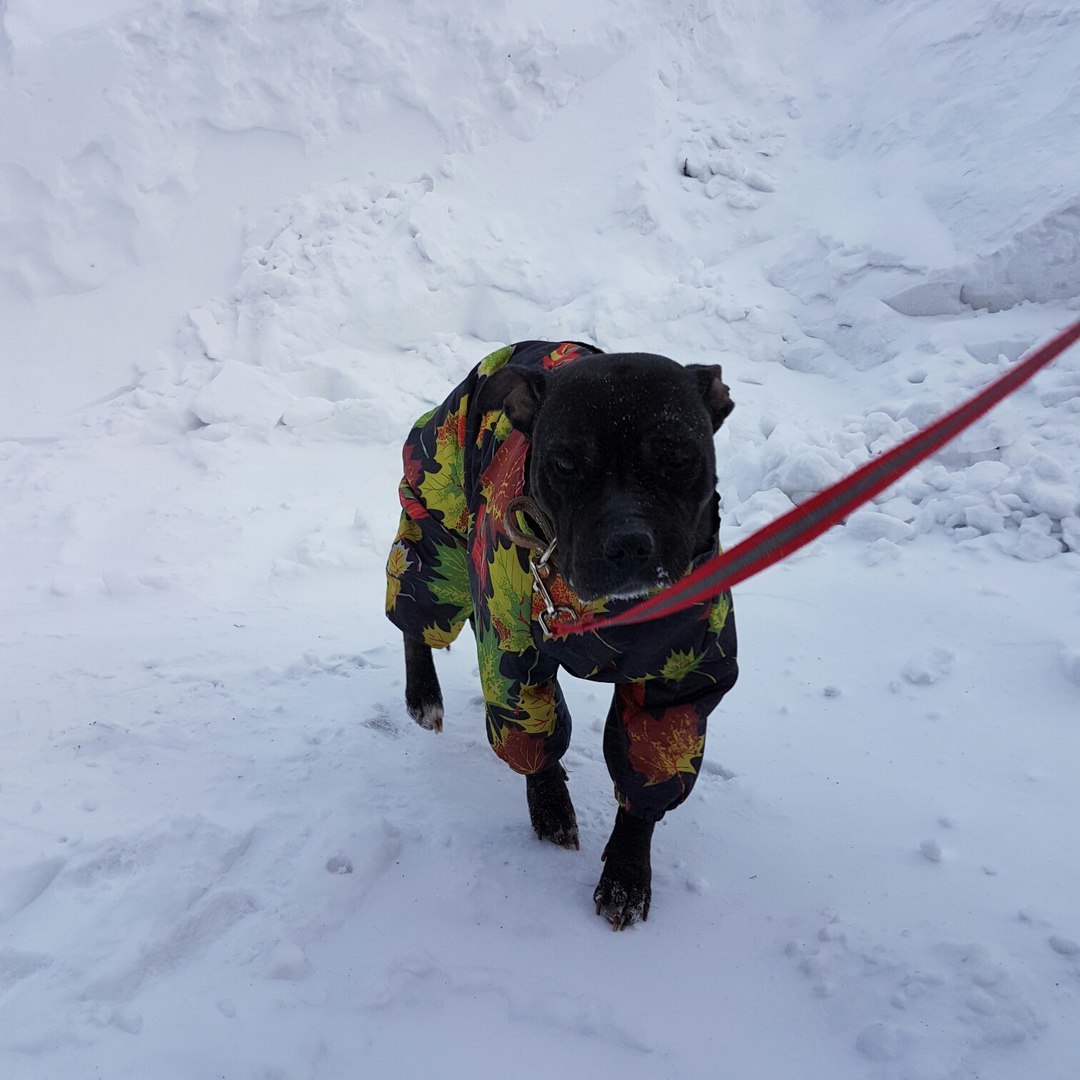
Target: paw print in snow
{"x": 914, "y": 1008}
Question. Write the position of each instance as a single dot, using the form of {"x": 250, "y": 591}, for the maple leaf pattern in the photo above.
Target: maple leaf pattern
{"x": 449, "y": 583}
{"x": 504, "y": 479}
{"x": 451, "y": 432}
{"x": 414, "y": 465}
{"x": 493, "y": 424}
{"x": 479, "y": 550}
{"x": 410, "y": 502}
{"x": 719, "y": 612}
{"x": 408, "y": 530}
{"x": 398, "y": 562}
{"x": 680, "y": 664}
{"x": 524, "y": 753}
{"x": 442, "y": 484}
{"x": 510, "y": 603}
{"x": 495, "y": 685}
{"x": 396, "y": 565}
{"x": 660, "y": 748}
{"x": 442, "y": 491}
{"x": 393, "y": 589}
{"x": 437, "y": 637}
{"x": 535, "y": 711}
{"x": 493, "y": 361}
{"x": 561, "y": 356}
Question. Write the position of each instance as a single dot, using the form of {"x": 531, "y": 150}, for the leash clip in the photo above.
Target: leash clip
{"x": 540, "y": 570}
{"x": 542, "y": 565}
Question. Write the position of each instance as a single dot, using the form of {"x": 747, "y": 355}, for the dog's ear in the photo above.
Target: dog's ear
{"x": 515, "y": 392}
{"x": 714, "y": 391}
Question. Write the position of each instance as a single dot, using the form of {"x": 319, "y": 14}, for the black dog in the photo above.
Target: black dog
{"x": 555, "y": 481}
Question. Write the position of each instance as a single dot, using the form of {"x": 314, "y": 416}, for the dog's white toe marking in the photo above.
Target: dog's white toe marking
{"x": 429, "y": 717}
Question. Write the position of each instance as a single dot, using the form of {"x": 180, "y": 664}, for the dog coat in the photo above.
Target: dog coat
{"x": 452, "y": 562}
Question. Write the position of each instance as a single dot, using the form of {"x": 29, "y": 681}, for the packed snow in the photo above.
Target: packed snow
{"x": 243, "y": 244}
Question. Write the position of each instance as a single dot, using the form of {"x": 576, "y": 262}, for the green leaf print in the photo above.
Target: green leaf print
{"x": 442, "y": 491}
{"x": 719, "y": 613}
{"x": 495, "y": 685}
{"x": 681, "y": 664}
{"x": 493, "y": 361}
{"x": 511, "y": 601}
{"x": 450, "y": 583}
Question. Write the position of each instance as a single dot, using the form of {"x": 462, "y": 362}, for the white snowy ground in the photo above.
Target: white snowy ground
{"x": 243, "y": 243}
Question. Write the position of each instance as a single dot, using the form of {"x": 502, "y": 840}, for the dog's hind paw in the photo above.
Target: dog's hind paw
{"x": 550, "y": 808}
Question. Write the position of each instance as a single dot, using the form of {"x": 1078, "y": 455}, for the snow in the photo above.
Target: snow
{"x": 242, "y": 246}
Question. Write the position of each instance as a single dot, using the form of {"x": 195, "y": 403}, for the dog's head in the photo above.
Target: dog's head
{"x": 622, "y": 462}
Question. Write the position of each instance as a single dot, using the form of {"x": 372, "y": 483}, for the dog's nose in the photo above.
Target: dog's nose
{"x": 628, "y": 547}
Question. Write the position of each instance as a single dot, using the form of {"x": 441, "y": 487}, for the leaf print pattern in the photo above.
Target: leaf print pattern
{"x": 564, "y": 354}
{"x": 398, "y": 562}
{"x": 504, "y": 479}
{"x": 536, "y": 708}
{"x": 522, "y": 753}
{"x": 493, "y": 361}
{"x": 442, "y": 489}
{"x": 660, "y": 746}
{"x": 680, "y": 664}
{"x": 719, "y": 612}
{"x": 437, "y": 637}
{"x": 393, "y": 590}
{"x": 452, "y": 562}
{"x": 449, "y": 583}
{"x": 509, "y": 607}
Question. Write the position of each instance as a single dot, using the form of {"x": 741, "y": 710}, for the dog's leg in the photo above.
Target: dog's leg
{"x": 625, "y": 889}
{"x": 550, "y": 809}
{"x": 423, "y": 697}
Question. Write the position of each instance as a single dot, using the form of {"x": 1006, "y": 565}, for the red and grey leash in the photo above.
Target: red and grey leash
{"x": 810, "y": 519}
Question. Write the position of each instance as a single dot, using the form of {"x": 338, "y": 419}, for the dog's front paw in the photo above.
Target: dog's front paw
{"x": 623, "y": 896}
{"x": 428, "y": 715}
{"x": 423, "y": 697}
{"x": 550, "y": 808}
{"x": 624, "y": 893}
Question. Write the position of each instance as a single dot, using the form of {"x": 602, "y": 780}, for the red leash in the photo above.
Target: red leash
{"x": 809, "y": 520}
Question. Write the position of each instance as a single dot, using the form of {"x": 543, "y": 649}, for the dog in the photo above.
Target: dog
{"x": 557, "y": 481}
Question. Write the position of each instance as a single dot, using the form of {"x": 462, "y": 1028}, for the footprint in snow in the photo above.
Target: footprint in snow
{"x": 16, "y": 965}
{"x": 911, "y": 1006}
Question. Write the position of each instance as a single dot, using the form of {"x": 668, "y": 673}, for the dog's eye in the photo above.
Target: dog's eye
{"x": 564, "y": 465}
{"x": 676, "y": 459}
